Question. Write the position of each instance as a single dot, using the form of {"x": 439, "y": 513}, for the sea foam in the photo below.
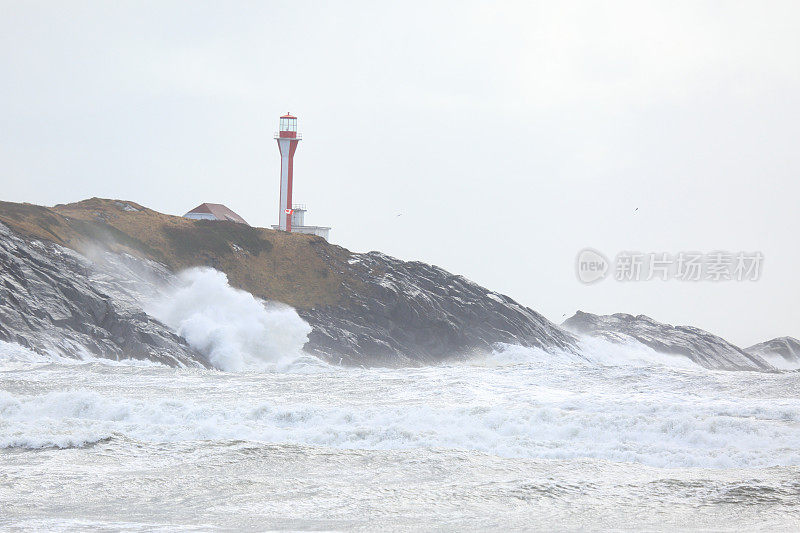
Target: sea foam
{"x": 559, "y": 412}
{"x": 232, "y": 328}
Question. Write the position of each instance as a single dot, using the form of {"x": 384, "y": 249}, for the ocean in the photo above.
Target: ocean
{"x": 615, "y": 438}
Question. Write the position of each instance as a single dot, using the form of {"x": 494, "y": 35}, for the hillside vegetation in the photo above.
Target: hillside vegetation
{"x": 301, "y": 270}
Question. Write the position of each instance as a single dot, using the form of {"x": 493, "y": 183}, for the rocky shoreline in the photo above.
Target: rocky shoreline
{"x": 74, "y": 279}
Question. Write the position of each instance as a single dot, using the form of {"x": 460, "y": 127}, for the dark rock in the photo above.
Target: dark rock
{"x": 786, "y": 347}
{"x": 700, "y": 346}
{"x": 56, "y": 301}
{"x": 401, "y": 313}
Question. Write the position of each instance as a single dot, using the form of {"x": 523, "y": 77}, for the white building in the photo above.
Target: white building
{"x": 298, "y": 213}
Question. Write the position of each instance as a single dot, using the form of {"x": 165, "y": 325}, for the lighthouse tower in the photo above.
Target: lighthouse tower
{"x": 291, "y": 217}
{"x": 288, "y": 139}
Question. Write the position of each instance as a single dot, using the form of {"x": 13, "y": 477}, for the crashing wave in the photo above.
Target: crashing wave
{"x": 231, "y": 327}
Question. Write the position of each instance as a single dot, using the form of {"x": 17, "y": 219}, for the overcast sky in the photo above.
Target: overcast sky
{"x": 508, "y": 135}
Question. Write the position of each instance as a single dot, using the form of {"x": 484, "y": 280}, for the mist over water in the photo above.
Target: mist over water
{"x": 780, "y": 363}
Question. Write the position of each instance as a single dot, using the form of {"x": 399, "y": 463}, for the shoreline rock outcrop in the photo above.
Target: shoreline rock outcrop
{"x": 702, "y": 347}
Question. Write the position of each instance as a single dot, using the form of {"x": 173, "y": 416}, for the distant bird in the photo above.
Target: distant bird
{"x": 635, "y": 209}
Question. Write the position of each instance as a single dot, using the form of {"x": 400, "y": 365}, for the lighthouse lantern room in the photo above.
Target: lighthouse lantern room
{"x": 288, "y": 126}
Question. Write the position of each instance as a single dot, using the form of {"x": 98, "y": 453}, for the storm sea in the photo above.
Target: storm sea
{"x": 519, "y": 439}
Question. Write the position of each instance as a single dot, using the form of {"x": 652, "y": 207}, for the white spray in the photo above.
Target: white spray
{"x": 231, "y": 327}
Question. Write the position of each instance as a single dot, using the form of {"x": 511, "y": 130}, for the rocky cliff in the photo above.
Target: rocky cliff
{"x": 56, "y": 301}
{"x": 399, "y": 311}
{"x": 700, "y": 346}
{"x": 786, "y": 347}
{"x": 73, "y": 278}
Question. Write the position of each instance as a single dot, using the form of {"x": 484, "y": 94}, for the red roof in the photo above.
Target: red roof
{"x": 288, "y": 115}
{"x": 219, "y": 211}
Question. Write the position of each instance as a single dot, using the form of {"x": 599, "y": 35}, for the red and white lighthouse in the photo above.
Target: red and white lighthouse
{"x": 291, "y": 217}
{"x": 288, "y": 140}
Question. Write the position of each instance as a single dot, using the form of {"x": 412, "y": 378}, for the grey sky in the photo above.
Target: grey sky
{"x": 509, "y": 135}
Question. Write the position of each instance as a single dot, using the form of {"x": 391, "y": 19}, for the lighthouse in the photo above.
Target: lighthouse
{"x": 291, "y": 217}
{"x": 288, "y": 139}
